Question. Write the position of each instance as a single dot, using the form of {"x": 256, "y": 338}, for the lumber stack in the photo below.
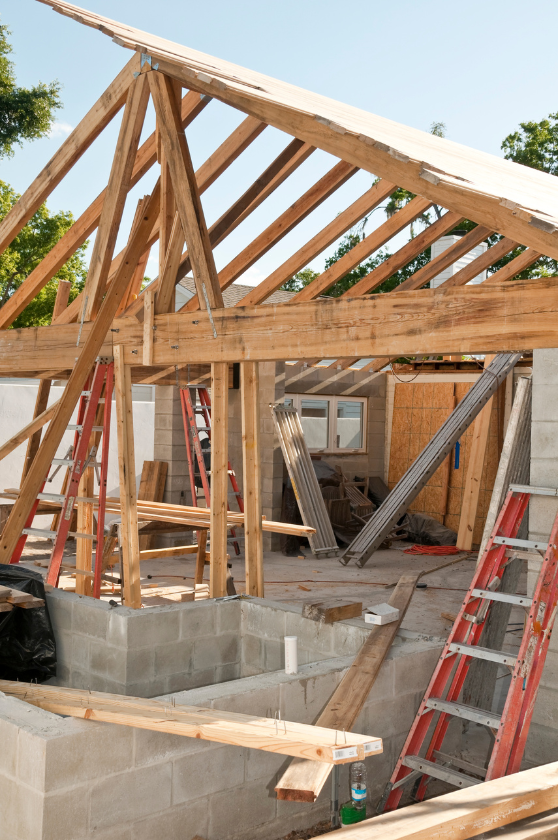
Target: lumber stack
{"x": 10, "y": 598}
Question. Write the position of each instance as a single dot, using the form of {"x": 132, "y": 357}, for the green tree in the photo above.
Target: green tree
{"x": 536, "y": 145}
{"x": 27, "y": 250}
{"x": 25, "y": 113}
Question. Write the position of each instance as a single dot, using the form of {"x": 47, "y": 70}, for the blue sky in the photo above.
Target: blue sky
{"x": 479, "y": 67}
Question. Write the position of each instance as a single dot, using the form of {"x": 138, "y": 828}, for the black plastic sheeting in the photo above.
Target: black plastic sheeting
{"x": 27, "y": 645}
{"x": 423, "y": 530}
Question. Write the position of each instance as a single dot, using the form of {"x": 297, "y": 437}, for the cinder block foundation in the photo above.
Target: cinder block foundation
{"x": 68, "y": 779}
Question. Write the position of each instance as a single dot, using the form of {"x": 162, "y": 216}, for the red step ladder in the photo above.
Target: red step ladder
{"x": 194, "y": 448}
{"x": 511, "y": 728}
{"x": 78, "y": 460}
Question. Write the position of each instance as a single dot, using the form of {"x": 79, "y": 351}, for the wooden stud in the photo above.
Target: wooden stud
{"x": 80, "y": 370}
{"x": 473, "y": 478}
{"x": 152, "y": 488}
{"x": 71, "y": 151}
{"x": 165, "y": 299}
{"x": 250, "y": 420}
{"x": 149, "y": 315}
{"x": 186, "y": 191}
{"x": 219, "y": 481}
{"x": 127, "y": 482}
{"x": 117, "y": 190}
{"x": 201, "y": 556}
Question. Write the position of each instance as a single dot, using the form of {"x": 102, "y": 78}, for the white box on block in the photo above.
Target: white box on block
{"x": 381, "y": 614}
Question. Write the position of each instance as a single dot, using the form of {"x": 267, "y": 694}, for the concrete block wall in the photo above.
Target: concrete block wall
{"x": 144, "y": 652}
{"x": 542, "y": 744}
{"x": 68, "y": 779}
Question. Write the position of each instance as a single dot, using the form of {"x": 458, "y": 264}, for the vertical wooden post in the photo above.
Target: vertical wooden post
{"x": 84, "y": 547}
{"x": 446, "y": 469}
{"x": 254, "y": 577}
{"x": 219, "y": 480}
{"x": 60, "y": 303}
{"x": 473, "y": 478}
{"x": 127, "y": 481}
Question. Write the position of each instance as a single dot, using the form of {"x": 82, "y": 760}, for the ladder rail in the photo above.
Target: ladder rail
{"x": 97, "y": 569}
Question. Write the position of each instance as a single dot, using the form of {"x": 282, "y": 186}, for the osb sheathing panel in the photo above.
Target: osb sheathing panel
{"x": 419, "y": 411}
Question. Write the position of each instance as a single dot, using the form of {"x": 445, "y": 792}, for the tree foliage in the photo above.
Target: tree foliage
{"x": 27, "y": 250}
{"x": 25, "y": 113}
{"x": 536, "y": 145}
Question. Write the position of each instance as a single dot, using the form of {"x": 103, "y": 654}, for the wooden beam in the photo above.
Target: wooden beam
{"x": 81, "y": 368}
{"x": 481, "y": 263}
{"x": 81, "y": 138}
{"x": 148, "y": 328}
{"x": 36, "y": 424}
{"x": 152, "y": 488}
{"x": 84, "y": 226}
{"x": 298, "y": 211}
{"x": 473, "y": 477}
{"x": 201, "y": 556}
{"x": 168, "y": 207}
{"x": 219, "y": 481}
{"x": 515, "y": 267}
{"x": 371, "y": 154}
{"x": 375, "y": 240}
{"x": 287, "y": 738}
{"x": 252, "y": 477}
{"x": 44, "y": 389}
{"x": 473, "y": 319}
{"x": 405, "y": 254}
{"x": 302, "y": 781}
{"x": 469, "y": 812}
{"x": 127, "y": 482}
{"x": 186, "y": 191}
{"x": 117, "y": 190}
{"x": 165, "y": 297}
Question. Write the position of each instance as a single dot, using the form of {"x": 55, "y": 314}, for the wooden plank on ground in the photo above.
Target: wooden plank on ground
{"x": 252, "y": 477}
{"x": 465, "y": 813}
{"x": 151, "y": 489}
{"x": 334, "y": 609}
{"x": 315, "y": 743}
{"x": 302, "y": 781}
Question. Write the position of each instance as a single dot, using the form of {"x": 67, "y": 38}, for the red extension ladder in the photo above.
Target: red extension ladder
{"x": 511, "y": 728}
{"x": 78, "y": 460}
{"x": 194, "y": 449}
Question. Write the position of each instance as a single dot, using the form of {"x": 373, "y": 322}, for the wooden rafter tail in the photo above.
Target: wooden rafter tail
{"x": 287, "y": 162}
{"x": 187, "y": 194}
{"x": 286, "y": 222}
{"x": 71, "y": 151}
{"x": 93, "y": 343}
{"x": 83, "y": 227}
{"x": 375, "y": 240}
{"x": 117, "y": 190}
{"x": 371, "y": 199}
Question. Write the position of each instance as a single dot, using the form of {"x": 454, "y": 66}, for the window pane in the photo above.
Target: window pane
{"x": 315, "y": 423}
{"x": 288, "y": 403}
{"x": 349, "y": 425}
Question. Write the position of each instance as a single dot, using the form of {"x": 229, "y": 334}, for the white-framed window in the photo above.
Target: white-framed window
{"x": 331, "y": 424}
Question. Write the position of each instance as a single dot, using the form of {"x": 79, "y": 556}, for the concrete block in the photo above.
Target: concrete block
{"x": 31, "y": 756}
{"x": 65, "y": 814}
{"x": 413, "y": 673}
{"x": 130, "y": 796}
{"x": 542, "y": 512}
{"x": 263, "y": 765}
{"x": 173, "y": 658}
{"x": 240, "y": 811}
{"x": 252, "y": 651}
{"x": 80, "y": 652}
{"x": 545, "y": 367}
{"x": 544, "y": 438}
{"x": 90, "y": 617}
{"x": 150, "y": 688}
{"x": 205, "y": 773}
{"x": 140, "y": 664}
{"x": 198, "y": 619}
{"x": 28, "y": 813}
{"x": 157, "y": 747}
{"x": 89, "y": 751}
{"x": 544, "y": 472}
{"x": 108, "y": 660}
{"x": 64, "y": 647}
{"x": 546, "y": 707}
{"x": 311, "y": 635}
{"x": 8, "y": 808}
{"x": 150, "y": 628}
{"x": 59, "y": 608}
{"x": 303, "y": 700}
{"x": 186, "y": 682}
{"x": 227, "y": 673}
{"x": 273, "y": 655}
{"x": 8, "y": 753}
{"x": 185, "y": 822}
{"x": 260, "y": 696}
{"x": 545, "y": 403}
{"x": 541, "y": 747}
{"x": 228, "y": 617}
{"x": 217, "y": 650}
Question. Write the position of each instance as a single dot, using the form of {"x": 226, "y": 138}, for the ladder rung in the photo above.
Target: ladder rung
{"x": 512, "y": 543}
{"x": 484, "y": 653}
{"x": 51, "y": 497}
{"x": 461, "y": 764}
{"x": 516, "y": 600}
{"x": 445, "y": 774}
{"x": 67, "y": 462}
{"x": 88, "y": 394}
{"x": 463, "y": 711}
{"x": 79, "y": 428}
{"x": 534, "y": 491}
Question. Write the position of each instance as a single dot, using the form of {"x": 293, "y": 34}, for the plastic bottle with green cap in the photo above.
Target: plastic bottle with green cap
{"x": 354, "y": 811}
